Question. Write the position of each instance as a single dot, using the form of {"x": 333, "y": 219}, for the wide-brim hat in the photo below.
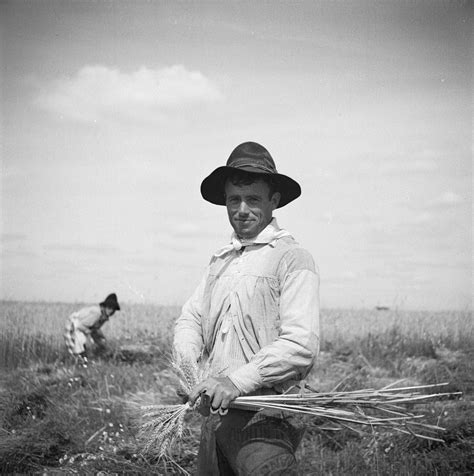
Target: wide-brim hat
{"x": 111, "y": 302}
{"x": 255, "y": 159}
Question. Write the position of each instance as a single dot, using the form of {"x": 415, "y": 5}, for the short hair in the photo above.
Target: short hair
{"x": 242, "y": 177}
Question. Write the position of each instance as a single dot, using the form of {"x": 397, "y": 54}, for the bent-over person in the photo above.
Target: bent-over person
{"x": 84, "y": 326}
{"x": 253, "y": 320}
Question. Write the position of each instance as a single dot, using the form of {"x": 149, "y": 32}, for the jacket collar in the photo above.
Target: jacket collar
{"x": 269, "y": 235}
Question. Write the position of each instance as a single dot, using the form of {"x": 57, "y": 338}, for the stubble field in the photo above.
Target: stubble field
{"x": 60, "y": 418}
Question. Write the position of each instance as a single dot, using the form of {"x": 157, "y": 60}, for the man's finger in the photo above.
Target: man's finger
{"x": 225, "y": 403}
{"x": 204, "y": 405}
{"x": 197, "y": 390}
{"x": 216, "y": 401}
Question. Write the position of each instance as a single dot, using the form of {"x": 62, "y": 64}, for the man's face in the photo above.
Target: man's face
{"x": 109, "y": 311}
{"x": 250, "y": 207}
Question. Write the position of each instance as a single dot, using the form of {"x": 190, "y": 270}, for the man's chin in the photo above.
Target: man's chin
{"x": 246, "y": 232}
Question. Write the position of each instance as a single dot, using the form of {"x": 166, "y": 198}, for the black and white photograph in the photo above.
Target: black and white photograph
{"x": 236, "y": 237}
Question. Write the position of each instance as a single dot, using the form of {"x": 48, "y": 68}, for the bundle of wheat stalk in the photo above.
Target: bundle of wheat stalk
{"x": 164, "y": 424}
{"x": 374, "y": 408}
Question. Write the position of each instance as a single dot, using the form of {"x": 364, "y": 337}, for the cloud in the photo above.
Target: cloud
{"x": 185, "y": 230}
{"x": 98, "y": 92}
{"x": 422, "y": 218}
{"x": 98, "y": 249}
{"x": 447, "y": 200}
{"x": 419, "y": 166}
{"x": 190, "y": 231}
{"x": 12, "y": 237}
{"x": 341, "y": 277}
{"x": 348, "y": 275}
{"x": 328, "y": 217}
{"x": 429, "y": 210}
{"x": 422, "y": 166}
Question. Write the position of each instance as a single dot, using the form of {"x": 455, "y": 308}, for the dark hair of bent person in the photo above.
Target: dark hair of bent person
{"x": 241, "y": 177}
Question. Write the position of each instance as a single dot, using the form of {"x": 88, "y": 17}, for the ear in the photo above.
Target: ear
{"x": 276, "y": 199}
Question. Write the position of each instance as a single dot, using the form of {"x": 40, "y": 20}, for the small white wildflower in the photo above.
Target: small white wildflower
{"x": 107, "y": 410}
{"x": 111, "y": 425}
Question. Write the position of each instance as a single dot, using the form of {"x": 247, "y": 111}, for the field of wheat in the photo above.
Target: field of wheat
{"x": 59, "y": 417}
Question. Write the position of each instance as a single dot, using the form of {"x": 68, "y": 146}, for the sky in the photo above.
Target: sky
{"x": 112, "y": 113}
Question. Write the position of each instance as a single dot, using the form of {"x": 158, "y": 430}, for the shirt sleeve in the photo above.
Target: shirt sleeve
{"x": 188, "y": 339}
{"x": 86, "y": 318}
{"x": 291, "y": 356}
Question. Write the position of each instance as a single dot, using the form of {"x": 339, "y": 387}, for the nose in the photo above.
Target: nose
{"x": 243, "y": 208}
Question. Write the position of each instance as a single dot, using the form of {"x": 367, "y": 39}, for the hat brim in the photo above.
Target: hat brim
{"x": 212, "y": 187}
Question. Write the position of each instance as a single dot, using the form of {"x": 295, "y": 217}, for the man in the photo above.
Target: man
{"x": 85, "y": 325}
{"x": 254, "y": 320}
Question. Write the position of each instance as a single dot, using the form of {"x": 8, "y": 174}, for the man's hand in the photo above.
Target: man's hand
{"x": 221, "y": 392}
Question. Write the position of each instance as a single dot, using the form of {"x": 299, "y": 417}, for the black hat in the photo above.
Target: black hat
{"x": 111, "y": 302}
{"x": 253, "y": 158}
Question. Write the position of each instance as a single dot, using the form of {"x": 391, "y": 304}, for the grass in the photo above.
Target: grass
{"x": 33, "y": 332}
{"x": 56, "y": 417}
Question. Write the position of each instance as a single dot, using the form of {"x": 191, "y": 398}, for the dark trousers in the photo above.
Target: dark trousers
{"x": 248, "y": 443}
{"x": 100, "y": 342}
